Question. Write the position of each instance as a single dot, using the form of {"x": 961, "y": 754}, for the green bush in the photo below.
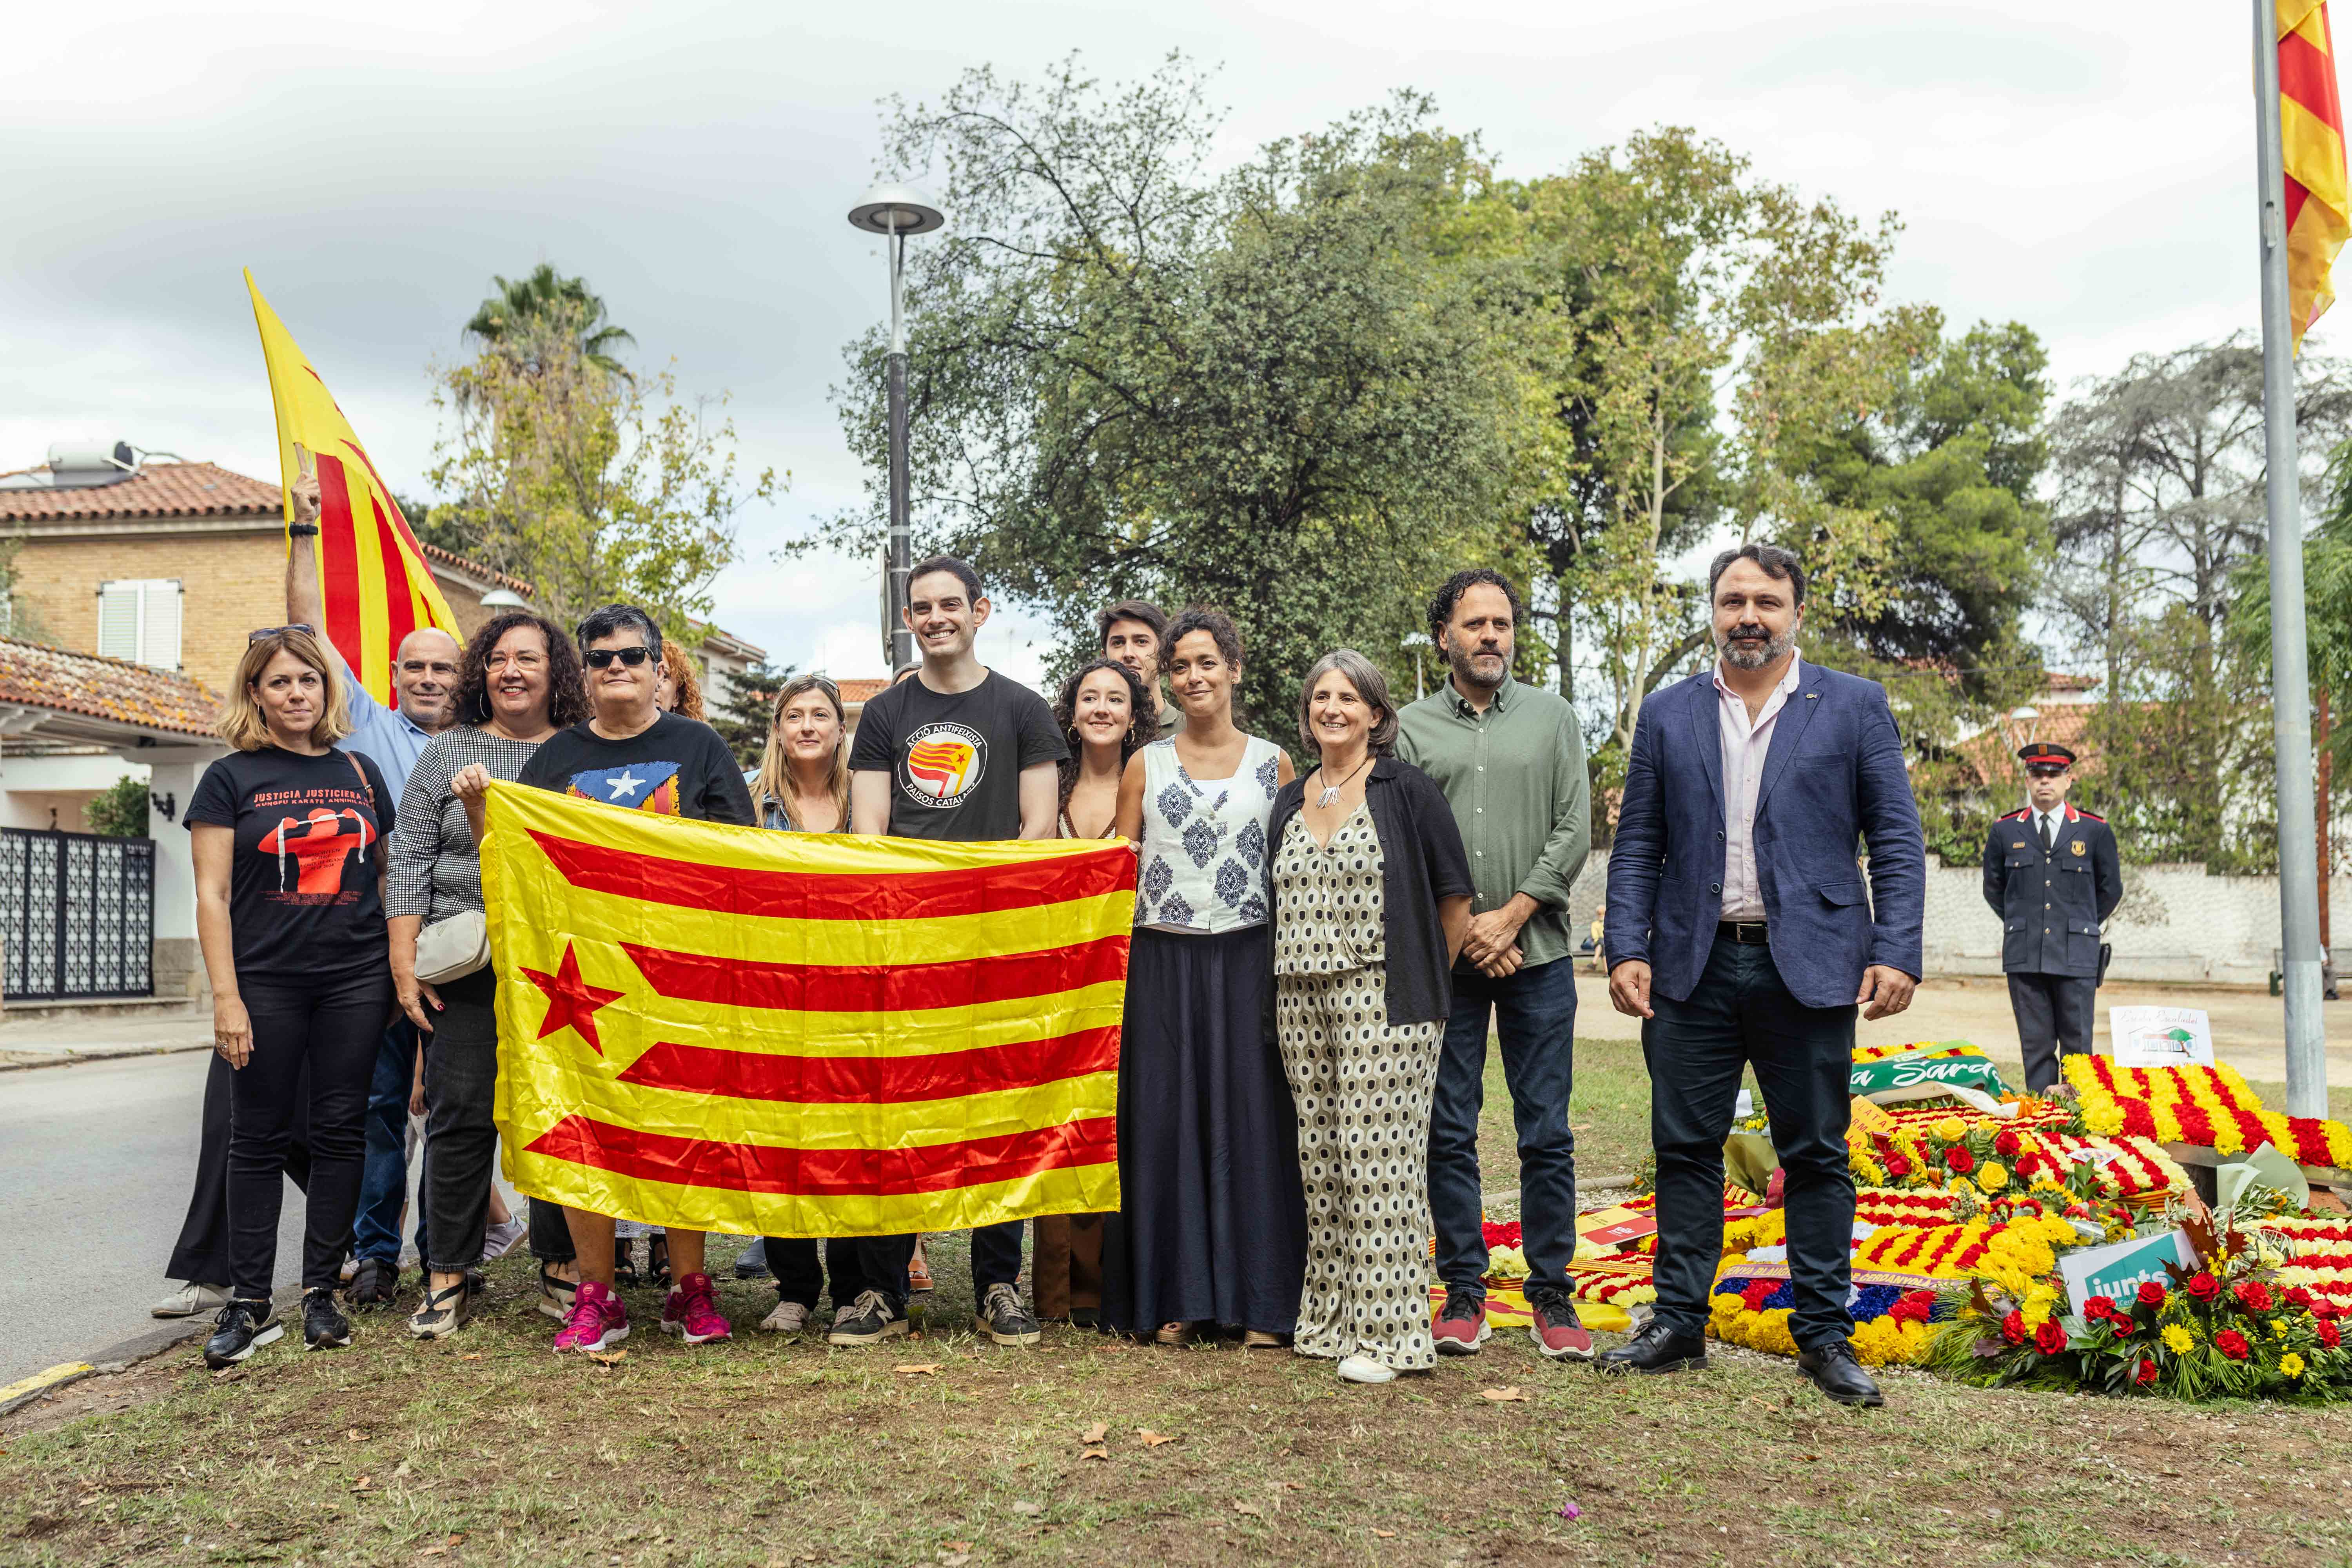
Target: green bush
{"x": 120, "y": 810}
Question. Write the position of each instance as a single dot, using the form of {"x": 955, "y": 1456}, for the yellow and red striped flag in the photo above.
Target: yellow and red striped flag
{"x": 800, "y": 1033}
{"x": 372, "y": 578}
{"x": 2311, "y": 133}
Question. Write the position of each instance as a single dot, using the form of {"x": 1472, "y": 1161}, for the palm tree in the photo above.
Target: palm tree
{"x": 545, "y": 293}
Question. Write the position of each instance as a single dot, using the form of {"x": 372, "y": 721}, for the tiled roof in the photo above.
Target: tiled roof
{"x": 468, "y": 564}
{"x": 1992, "y": 754}
{"x": 157, "y": 489}
{"x": 32, "y": 676}
{"x": 860, "y": 690}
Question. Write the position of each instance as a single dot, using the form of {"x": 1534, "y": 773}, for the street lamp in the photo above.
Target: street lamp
{"x": 894, "y": 212}
{"x": 1417, "y": 641}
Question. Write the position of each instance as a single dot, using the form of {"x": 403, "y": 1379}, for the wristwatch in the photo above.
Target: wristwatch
{"x": 301, "y": 528}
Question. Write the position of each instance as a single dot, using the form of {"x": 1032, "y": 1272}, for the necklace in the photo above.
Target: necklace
{"x": 1331, "y": 792}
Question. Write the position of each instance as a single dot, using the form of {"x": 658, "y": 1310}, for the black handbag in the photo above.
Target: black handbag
{"x": 2106, "y": 952}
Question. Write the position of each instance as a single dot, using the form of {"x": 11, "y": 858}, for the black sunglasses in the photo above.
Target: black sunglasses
{"x": 599, "y": 657}
{"x": 273, "y": 631}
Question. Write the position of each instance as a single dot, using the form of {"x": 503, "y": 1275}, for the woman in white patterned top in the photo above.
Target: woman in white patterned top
{"x": 1211, "y": 1230}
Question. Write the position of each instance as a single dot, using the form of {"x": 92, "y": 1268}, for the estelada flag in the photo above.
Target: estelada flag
{"x": 2311, "y": 136}
{"x": 372, "y": 578}
{"x": 802, "y": 1033}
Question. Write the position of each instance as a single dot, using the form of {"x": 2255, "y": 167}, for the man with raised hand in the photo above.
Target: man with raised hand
{"x": 1742, "y": 933}
{"x": 1510, "y": 758}
{"x": 959, "y": 753}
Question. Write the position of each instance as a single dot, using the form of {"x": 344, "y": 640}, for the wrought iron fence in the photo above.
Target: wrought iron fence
{"x": 76, "y": 914}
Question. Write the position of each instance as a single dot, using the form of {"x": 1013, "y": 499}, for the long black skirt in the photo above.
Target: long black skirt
{"x": 1212, "y": 1221}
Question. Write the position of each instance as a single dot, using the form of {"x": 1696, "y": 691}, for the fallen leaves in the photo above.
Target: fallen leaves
{"x": 1385, "y": 1534}
{"x": 1250, "y": 1509}
{"x": 471, "y": 1355}
{"x": 363, "y": 1483}
{"x": 1096, "y": 1432}
{"x": 1511, "y": 1395}
{"x": 916, "y": 1369}
{"x": 608, "y": 1358}
{"x": 1097, "y": 1452}
{"x": 1151, "y": 1439}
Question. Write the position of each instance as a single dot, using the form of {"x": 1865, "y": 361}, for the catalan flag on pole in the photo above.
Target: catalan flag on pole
{"x": 372, "y": 576}
{"x": 799, "y": 1033}
{"x": 2311, "y": 131}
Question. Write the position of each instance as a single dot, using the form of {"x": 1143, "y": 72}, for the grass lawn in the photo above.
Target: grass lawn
{"x": 944, "y": 1451}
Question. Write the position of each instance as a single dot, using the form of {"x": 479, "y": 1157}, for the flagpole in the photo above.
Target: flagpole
{"x": 2298, "y": 843}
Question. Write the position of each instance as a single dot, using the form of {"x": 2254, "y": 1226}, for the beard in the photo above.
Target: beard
{"x": 1461, "y": 661}
{"x": 1749, "y": 646}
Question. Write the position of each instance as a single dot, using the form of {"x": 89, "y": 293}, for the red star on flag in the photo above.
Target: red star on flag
{"x": 571, "y": 1000}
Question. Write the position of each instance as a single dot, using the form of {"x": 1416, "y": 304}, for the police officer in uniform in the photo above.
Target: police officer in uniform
{"x": 2051, "y": 874}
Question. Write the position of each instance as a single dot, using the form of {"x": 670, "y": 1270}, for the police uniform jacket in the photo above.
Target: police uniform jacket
{"x": 2052, "y": 903}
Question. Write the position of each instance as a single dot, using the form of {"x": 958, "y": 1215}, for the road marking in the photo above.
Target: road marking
{"x": 24, "y": 1388}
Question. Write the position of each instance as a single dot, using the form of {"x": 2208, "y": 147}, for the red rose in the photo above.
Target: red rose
{"x": 2012, "y": 1328}
{"x": 2121, "y": 1326}
{"x": 2204, "y": 1287}
{"x": 2230, "y": 1343}
{"x": 1958, "y": 1158}
{"x": 2145, "y": 1374}
{"x": 2151, "y": 1293}
{"x": 1898, "y": 1165}
{"x": 2049, "y": 1339}
{"x": 2298, "y": 1297}
{"x": 2329, "y": 1334}
{"x": 2254, "y": 1296}
{"x": 2005, "y": 1142}
{"x": 2325, "y": 1309}
{"x": 2028, "y": 1162}
{"x": 2099, "y": 1307}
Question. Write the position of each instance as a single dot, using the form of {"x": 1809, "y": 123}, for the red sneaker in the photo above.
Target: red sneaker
{"x": 597, "y": 1320}
{"x": 692, "y": 1315}
{"x": 1462, "y": 1327}
{"x": 1558, "y": 1334}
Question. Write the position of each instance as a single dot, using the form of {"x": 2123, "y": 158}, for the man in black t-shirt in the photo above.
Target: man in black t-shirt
{"x": 957, "y": 753}
{"x": 628, "y": 753}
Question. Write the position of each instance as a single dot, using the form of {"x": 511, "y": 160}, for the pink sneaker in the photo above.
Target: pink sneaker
{"x": 691, "y": 1315}
{"x": 597, "y": 1320}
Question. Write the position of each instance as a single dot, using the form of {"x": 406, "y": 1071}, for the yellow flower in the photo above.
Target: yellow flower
{"x": 2291, "y": 1364}
{"x": 1951, "y": 1129}
{"x": 2278, "y": 1328}
{"x": 2177, "y": 1339}
{"x": 1992, "y": 1177}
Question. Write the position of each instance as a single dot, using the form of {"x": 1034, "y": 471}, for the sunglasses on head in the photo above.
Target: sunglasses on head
{"x": 600, "y": 658}
{"x": 273, "y": 631}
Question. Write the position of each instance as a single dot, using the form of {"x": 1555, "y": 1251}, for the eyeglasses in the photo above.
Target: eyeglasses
{"x": 266, "y": 632}
{"x": 600, "y": 658}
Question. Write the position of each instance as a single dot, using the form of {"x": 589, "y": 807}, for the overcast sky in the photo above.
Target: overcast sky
{"x": 2084, "y": 171}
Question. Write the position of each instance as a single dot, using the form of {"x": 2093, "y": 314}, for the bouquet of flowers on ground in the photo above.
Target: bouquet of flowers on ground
{"x": 2226, "y": 1326}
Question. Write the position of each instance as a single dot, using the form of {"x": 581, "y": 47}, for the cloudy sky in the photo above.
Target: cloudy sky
{"x": 375, "y": 166}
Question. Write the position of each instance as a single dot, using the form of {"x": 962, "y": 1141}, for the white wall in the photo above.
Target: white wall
{"x": 31, "y": 786}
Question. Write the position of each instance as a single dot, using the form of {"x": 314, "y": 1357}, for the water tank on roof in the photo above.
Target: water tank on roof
{"x": 75, "y": 465}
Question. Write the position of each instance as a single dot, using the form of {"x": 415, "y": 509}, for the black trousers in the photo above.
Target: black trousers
{"x": 461, "y": 1089}
{"x": 201, "y": 1254}
{"x": 1741, "y": 1015}
{"x": 857, "y": 1264}
{"x": 2053, "y": 1016}
{"x": 331, "y": 1027}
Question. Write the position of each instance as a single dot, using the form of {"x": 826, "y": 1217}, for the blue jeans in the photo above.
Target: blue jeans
{"x": 1534, "y": 1013}
{"x": 375, "y": 1233}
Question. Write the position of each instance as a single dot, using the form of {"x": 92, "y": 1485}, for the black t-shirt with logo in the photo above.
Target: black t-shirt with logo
{"x": 955, "y": 761}
{"x": 676, "y": 766}
{"x": 302, "y": 898}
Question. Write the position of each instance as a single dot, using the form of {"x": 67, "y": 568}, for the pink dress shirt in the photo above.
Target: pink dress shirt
{"x": 1745, "y": 746}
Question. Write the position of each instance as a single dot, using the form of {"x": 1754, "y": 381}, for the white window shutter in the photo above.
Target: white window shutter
{"x": 118, "y": 619}
{"x": 159, "y": 641}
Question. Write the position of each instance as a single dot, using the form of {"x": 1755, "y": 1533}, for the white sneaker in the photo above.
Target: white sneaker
{"x": 1364, "y": 1369}
{"x": 191, "y": 1299}
{"x": 501, "y": 1239}
{"x": 789, "y": 1318}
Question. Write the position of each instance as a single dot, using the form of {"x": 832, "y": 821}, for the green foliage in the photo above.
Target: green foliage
{"x": 744, "y": 719}
{"x": 1132, "y": 377}
{"x": 120, "y": 810}
{"x": 544, "y": 295}
{"x": 591, "y": 486}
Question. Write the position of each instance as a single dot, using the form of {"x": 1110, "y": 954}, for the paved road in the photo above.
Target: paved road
{"x": 95, "y": 1162}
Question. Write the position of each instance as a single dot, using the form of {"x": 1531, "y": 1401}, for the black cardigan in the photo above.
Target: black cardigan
{"x": 1421, "y": 862}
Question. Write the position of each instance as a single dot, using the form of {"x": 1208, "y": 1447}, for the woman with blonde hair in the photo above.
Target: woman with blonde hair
{"x": 287, "y": 835}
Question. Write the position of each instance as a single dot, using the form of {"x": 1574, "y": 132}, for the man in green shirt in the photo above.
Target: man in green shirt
{"x": 1510, "y": 758}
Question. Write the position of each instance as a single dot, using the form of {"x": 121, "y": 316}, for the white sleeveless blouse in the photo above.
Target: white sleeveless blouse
{"x": 1203, "y": 868}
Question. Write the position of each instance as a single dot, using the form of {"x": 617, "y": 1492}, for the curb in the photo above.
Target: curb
{"x": 70, "y": 1058}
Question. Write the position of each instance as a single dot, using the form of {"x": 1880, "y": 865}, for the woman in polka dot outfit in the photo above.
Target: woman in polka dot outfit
{"x": 1371, "y": 900}
{"x": 1212, "y": 1228}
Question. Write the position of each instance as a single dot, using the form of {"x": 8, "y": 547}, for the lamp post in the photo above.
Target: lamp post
{"x": 894, "y": 212}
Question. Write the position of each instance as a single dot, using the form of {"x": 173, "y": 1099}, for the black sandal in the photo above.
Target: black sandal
{"x": 625, "y": 1262}
{"x": 657, "y": 1259}
{"x": 555, "y": 1292}
{"x": 442, "y": 1312}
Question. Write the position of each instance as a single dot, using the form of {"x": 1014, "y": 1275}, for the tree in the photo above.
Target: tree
{"x": 744, "y": 719}
{"x": 592, "y": 486}
{"x": 1133, "y": 378}
{"x": 120, "y": 810}
{"x": 541, "y": 294}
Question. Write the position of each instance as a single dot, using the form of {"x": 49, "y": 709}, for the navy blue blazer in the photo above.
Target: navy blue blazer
{"x": 1833, "y": 775}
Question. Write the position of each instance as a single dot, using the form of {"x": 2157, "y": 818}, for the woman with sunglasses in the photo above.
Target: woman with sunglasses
{"x": 627, "y": 752}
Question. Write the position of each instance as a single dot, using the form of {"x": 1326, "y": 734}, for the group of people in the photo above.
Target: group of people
{"x": 1324, "y": 940}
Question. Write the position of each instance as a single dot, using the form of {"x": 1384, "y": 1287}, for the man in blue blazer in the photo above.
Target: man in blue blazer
{"x": 1740, "y": 931}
